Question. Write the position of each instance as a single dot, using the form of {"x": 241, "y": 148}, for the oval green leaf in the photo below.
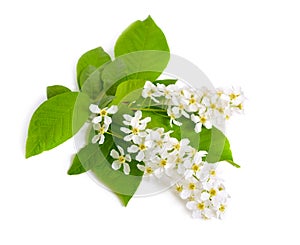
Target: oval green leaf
{"x": 55, "y": 121}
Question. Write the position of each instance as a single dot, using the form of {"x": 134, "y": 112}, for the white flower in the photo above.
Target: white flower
{"x": 121, "y": 160}
{"x": 101, "y": 129}
{"x": 166, "y": 91}
{"x": 136, "y": 126}
{"x": 208, "y": 171}
{"x": 162, "y": 163}
{"x": 200, "y": 120}
{"x": 151, "y": 91}
{"x": 140, "y": 149}
{"x": 190, "y": 188}
{"x": 181, "y": 147}
{"x": 179, "y": 106}
{"x": 103, "y": 114}
{"x": 148, "y": 168}
{"x": 158, "y": 141}
{"x": 173, "y": 116}
{"x": 192, "y": 100}
{"x": 193, "y": 167}
{"x": 201, "y": 209}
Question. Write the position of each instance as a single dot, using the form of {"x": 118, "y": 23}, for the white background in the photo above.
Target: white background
{"x": 254, "y": 44}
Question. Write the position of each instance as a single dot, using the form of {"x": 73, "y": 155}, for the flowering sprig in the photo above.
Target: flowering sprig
{"x": 139, "y": 125}
{"x": 204, "y": 107}
{"x": 160, "y": 155}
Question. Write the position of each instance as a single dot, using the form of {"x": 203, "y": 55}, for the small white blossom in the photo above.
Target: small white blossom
{"x": 140, "y": 149}
{"x": 122, "y": 159}
{"x": 173, "y": 116}
{"x": 136, "y": 125}
{"x": 103, "y": 114}
{"x": 201, "y": 120}
{"x": 101, "y": 129}
{"x": 151, "y": 91}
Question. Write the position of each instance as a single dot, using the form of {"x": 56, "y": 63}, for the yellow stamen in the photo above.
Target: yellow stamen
{"x": 142, "y": 147}
{"x": 135, "y": 131}
{"x": 192, "y": 186}
{"x": 179, "y": 188}
{"x": 149, "y": 170}
{"x": 203, "y": 120}
{"x": 103, "y": 112}
{"x": 121, "y": 159}
{"x": 222, "y": 208}
{"x": 195, "y": 167}
{"x": 177, "y": 147}
{"x": 201, "y": 206}
{"x": 212, "y": 192}
{"x": 163, "y": 163}
{"x": 212, "y": 172}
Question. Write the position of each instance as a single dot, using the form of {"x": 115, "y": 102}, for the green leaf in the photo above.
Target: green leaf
{"x": 166, "y": 81}
{"x": 96, "y": 157}
{"x": 76, "y": 167}
{"x": 216, "y": 144}
{"x": 132, "y": 46}
{"x": 95, "y": 57}
{"x": 128, "y": 88}
{"x": 55, "y": 121}
{"x": 56, "y": 90}
{"x": 139, "y": 36}
{"x": 93, "y": 85}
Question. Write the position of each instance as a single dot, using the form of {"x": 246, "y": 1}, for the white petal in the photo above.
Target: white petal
{"x": 133, "y": 149}
{"x": 107, "y": 120}
{"x": 97, "y": 119}
{"x": 120, "y": 150}
{"x": 177, "y": 123}
{"x": 127, "y": 117}
{"x": 95, "y": 138}
{"x": 187, "y": 163}
{"x": 114, "y": 154}
{"x": 94, "y": 108}
{"x": 126, "y": 168}
{"x": 198, "y": 127}
{"x": 128, "y": 137}
{"x": 185, "y": 114}
{"x": 116, "y": 165}
{"x": 193, "y": 108}
{"x": 208, "y": 124}
{"x": 141, "y": 167}
{"x": 185, "y": 194}
{"x": 138, "y": 115}
{"x": 101, "y": 141}
{"x": 204, "y": 196}
{"x": 176, "y": 110}
{"x": 128, "y": 158}
{"x": 112, "y": 110}
{"x": 142, "y": 134}
{"x": 125, "y": 130}
{"x": 140, "y": 156}
{"x": 184, "y": 142}
{"x": 191, "y": 205}
{"x": 126, "y": 123}
{"x": 146, "y": 120}
{"x": 195, "y": 119}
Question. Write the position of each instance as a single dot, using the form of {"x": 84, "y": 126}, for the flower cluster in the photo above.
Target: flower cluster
{"x": 101, "y": 121}
{"x": 160, "y": 155}
{"x": 203, "y": 190}
{"x": 157, "y": 154}
{"x": 202, "y": 106}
